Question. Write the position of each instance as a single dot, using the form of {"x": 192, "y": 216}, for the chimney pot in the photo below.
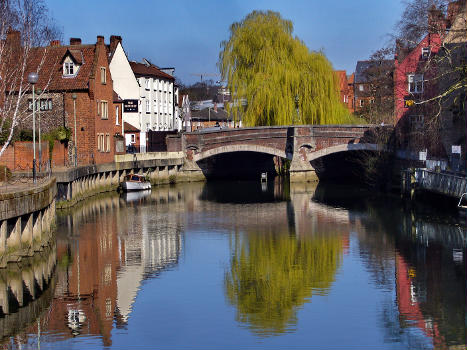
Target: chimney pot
{"x": 100, "y": 39}
{"x": 55, "y": 43}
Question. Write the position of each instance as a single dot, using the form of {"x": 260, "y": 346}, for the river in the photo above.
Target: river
{"x": 230, "y": 265}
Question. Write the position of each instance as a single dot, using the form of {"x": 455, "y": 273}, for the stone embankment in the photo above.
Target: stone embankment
{"x": 27, "y": 217}
{"x": 78, "y": 183}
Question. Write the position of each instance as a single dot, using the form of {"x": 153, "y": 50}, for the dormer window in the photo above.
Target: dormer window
{"x": 72, "y": 61}
{"x": 68, "y": 68}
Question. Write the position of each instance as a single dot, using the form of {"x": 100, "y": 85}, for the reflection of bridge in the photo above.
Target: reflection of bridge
{"x": 300, "y": 144}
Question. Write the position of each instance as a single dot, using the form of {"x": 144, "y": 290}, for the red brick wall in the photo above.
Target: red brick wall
{"x": 104, "y": 92}
{"x": 19, "y": 156}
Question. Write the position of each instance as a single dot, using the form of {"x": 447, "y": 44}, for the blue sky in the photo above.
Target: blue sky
{"x": 187, "y": 34}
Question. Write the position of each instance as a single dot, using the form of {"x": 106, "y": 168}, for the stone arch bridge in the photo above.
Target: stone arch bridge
{"x": 301, "y": 144}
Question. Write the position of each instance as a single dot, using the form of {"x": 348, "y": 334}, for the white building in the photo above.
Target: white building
{"x": 158, "y": 96}
{"x": 124, "y": 82}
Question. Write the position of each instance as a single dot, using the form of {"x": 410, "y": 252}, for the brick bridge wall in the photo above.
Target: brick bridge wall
{"x": 301, "y": 144}
{"x": 279, "y": 140}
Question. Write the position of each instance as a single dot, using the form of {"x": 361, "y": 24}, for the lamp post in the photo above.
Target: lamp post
{"x": 73, "y": 96}
{"x": 297, "y": 100}
{"x": 39, "y": 91}
{"x": 32, "y": 79}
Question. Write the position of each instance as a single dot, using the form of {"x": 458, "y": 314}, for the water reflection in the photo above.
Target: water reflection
{"x": 421, "y": 250}
{"x": 272, "y": 274}
{"x": 288, "y": 248}
{"x": 26, "y": 291}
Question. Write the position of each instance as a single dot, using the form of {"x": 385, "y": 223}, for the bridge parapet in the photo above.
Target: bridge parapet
{"x": 297, "y": 143}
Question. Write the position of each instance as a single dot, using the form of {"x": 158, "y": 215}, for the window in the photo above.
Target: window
{"x": 361, "y": 103}
{"x": 45, "y": 104}
{"x": 100, "y": 143}
{"x": 346, "y": 99}
{"x": 426, "y": 53}
{"x": 104, "y": 110}
{"x": 116, "y": 115}
{"x": 148, "y": 107}
{"x": 146, "y": 82}
{"x": 103, "y": 75}
{"x": 415, "y": 83}
{"x": 132, "y": 138}
{"x": 360, "y": 87}
{"x": 107, "y": 142}
{"x": 68, "y": 68}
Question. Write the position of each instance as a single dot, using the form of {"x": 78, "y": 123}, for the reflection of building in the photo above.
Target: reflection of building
{"x": 143, "y": 253}
{"x": 409, "y": 298}
{"x": 103, "y": 253}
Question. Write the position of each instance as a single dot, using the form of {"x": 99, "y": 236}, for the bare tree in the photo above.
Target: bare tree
{"x": 24, "y": 26}
{"x": 379, "y": 92}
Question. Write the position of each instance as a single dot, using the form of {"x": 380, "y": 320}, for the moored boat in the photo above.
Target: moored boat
{"x": 134, "y": 182}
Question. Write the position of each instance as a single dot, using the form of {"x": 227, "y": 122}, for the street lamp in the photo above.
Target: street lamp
{"x": 32, "y": 79}
{"x": 297, "y": 100}
{"x": 39, "y": 91}
{"x": 73, "y": 96}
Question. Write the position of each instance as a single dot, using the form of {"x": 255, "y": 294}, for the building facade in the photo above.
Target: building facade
{"x": 158, "y": 98}
{"x": 76, "y": 96}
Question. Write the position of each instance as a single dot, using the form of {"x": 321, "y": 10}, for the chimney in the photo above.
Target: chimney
{"x": 100, "y": 40}
{"x": 114, "y": 40}
{"x": 55, "y": 43}
{"x": 436, "y": 21}
{"x": 13, "y": 43}
{"x": 75, "y": 41}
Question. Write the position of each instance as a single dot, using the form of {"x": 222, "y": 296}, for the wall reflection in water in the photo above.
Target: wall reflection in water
{"x": 26, "y": 292}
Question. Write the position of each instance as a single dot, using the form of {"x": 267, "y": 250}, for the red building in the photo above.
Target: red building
{"x": 421, "y": 76}
{"x": 345, "y": 89}
{"x": 76, "y": 93}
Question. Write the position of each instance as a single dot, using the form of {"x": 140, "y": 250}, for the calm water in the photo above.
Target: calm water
{"x": 243, "y": 265}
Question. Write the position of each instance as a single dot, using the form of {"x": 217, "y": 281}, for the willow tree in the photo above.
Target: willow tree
{"x": 272, "y": 275}
{"x": 279, "y": 78}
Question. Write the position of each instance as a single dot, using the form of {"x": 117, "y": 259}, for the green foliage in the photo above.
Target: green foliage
{"x": 60, "y": 134}
{"x": 276, "y": 73}
{"x": 172, "y": 179}
{"x": 25, "y": 135}
{"x": 272, "y": 275}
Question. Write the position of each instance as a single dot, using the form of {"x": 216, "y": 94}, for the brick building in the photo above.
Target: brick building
{"x": 427, "y": 120}
{"x": 372, "y": 81}
{"x": 345, "y": 89}
{"x": 74, "y": 80}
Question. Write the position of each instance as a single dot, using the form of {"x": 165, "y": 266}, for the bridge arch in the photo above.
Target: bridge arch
{"x": 240, "y": 148}
{"x": 344, "y": 148}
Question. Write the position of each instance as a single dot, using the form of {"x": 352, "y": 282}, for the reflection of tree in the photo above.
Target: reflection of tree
{"x": 271, "y": 275}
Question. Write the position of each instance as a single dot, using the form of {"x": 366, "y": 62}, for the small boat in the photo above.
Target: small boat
{"x": 134, "y": 182}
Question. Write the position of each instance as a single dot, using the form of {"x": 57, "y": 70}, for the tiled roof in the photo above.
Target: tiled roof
{"x": 51, "y": 69}
{"x": 116, "y": 98}
{"x": 142, "y": 70}
{"x": 130, "y": 128}
{"x": 363, "y": 66}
